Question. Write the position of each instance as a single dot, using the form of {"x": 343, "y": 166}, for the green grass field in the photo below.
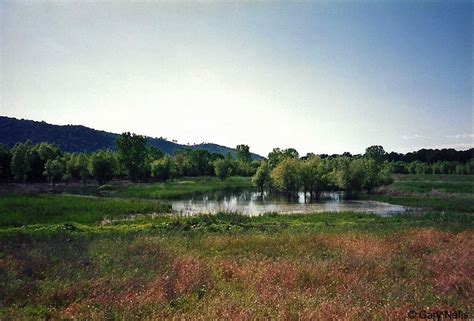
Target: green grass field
{"x": 171, "y": 189}
{"x": 18, "y": 210}
{"x": 60, "y": 260}
{"x": 435, "y": 192}
{"x": 439, "y": 183}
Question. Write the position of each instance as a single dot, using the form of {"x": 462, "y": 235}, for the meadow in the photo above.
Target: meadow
{"x": 229, "y": 266}
{"x": 435, "y": 192}
{"x": 428, "y": 183}
{"x": 169, "y": 190}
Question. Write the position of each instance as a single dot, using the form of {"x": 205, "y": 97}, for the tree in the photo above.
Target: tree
{"x": 5, "y": 162}
{"x": 286, "y": 176}
{"x": 21, "y": 158}
{"x": 102, "y": 165}
{"x": 349, "y": 175}
{"x": 162, "y": 169}
{"x": 184, "y": 165}
{"x": 262, "y": 178}
{"x": 375, "y": 152}
{"x": 54, "y": 170}
{"x": 223, "y": 168}
{"x": 243, "y": 153}
{"x": 291, "y": 153}
{"x": 154, "y": 153}
{"x": 277, "y": 155}
{"x": 132, "y": 152}
{"x": 82, "y": 166}
{"x": 243, "y": 168}
{"x": 40, "y": 154}
{"x": 77, "y": 166}
{"x": 313, "y": 177}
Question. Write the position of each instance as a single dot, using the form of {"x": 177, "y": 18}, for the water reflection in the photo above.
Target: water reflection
{"x": 252, "y": 203}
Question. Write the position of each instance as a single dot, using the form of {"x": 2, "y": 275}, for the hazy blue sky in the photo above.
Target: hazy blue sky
{"x": 322, "y": 76}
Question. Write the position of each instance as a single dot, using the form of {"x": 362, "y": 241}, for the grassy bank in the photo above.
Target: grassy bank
{"x": 430, "y": 202}
{"x": 18, "y": 210}
{"x": 433, "y": 192}
{"x": 428, "y": 183}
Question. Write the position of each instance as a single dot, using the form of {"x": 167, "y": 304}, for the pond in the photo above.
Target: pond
{"x": 252, "y": 203}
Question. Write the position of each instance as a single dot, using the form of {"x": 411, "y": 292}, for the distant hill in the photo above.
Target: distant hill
{"x": 77, "y": 138}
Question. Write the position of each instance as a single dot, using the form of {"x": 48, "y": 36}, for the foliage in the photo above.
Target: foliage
{"x": 277, "y": 155}
{"x": 102, "y": 165}
{"x": 21, "y": 160}
{"x": 54, "y": 170}
{"x": 352, "y": 174}
{"x": 223, "y": 168}
{"x": 441, "y": 167}
{"x": 376, "y": 152}
{"x": 262, "y": 178}
{"x": 5, "y": 163}
{"x": 77, "y": 166}
{"x": 243, "y": 153}
{"x": 163, "y": 169}
{"x": 314, "y": 177}
{"x": 139, "y": 161}
{"x": 286, "y": 176}
{"x": 131, "y": 154}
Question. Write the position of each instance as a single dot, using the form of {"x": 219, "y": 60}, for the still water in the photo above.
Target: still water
{"x": 251, "y": 203}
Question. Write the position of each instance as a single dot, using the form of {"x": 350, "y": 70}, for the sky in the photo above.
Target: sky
{"x": 321, "y": 76}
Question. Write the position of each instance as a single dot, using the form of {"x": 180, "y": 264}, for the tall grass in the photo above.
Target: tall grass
{"x": 327, "y": 266}
{"x": 438, "y": 203}
{"x": 184, "y": 187}
{"x": 464, "y": 186}
{"x": 18, "y": 210}
{"x": 319, "y": 273}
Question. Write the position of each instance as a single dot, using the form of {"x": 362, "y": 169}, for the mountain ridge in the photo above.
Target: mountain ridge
{"x": 80, "y": 138}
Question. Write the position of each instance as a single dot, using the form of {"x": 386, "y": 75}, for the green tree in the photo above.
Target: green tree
{"x": 262, "y": 178}
{"x": 277, "y": 155}
{"x": 184, "y": 163}
{"x": 5, "y": 162}
{"x": 470, "y": 166}
{"x": 154, "y": 153}
{"x": 243, "y": 153}
{"x": 372, "y": 174}
{"x": 162, "y": 169}
{"x": 21, "y": 159}
{"x": 291, "y": 153}
{"x": 82, "y": 166}
{"x": 40, "y": 154}
{"x": 286, "y": 176}
{"x": 102, "y": 166}
{"x": 313, "y": 177}
{"x": 77, "y": 166}
{"x": 54, "y": 170}
{"x": 222, "y": 168}
{"x": 132, "y": 152}
{"x": 375, "y": 152}
{"x": 349, "y": 175}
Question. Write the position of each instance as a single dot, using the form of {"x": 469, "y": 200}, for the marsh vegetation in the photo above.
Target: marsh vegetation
{"x": 117, "y": 249}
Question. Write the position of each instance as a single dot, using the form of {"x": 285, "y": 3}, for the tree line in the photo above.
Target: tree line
{"x": 132, "y": 159}
{"x": 440, "y": 167}
{"x": 284, "y": 170}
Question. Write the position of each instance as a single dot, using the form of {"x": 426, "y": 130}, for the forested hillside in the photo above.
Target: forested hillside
{"x": 76, "y": 138}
